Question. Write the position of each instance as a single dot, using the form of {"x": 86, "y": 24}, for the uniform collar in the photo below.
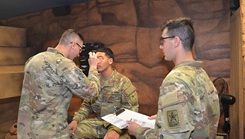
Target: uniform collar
{"x": 53, "y": 50}
{"x": 191, "y": 63}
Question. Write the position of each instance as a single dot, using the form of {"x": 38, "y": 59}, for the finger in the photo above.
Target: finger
{"x": 73, "y": 131}
{"x": 129, "y": 122}
{"x": 150, "y": 118}
{"x": 94, "y": 54}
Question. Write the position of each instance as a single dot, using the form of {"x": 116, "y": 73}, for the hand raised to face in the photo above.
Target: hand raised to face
{"x": 93, "y": 60}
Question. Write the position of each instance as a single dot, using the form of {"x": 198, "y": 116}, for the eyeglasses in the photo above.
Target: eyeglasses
{"x": 163, "y": 38}
{"x": 81, "y": 47}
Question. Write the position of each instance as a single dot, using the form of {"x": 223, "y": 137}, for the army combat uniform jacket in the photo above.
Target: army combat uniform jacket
{"x": 49, "y": 81}
{"x": 188, "y": 105}
{"x": 115, "y": 93}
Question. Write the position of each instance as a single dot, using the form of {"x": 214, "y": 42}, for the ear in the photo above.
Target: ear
{"x": 177, "y": 41}
{"x": 72, "y": 44}
{"x": 110, "y": 61}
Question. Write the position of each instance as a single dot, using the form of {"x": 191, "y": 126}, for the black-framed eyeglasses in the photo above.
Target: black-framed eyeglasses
{"x": 81, "y": 47}
{"x": 163, "y": 38}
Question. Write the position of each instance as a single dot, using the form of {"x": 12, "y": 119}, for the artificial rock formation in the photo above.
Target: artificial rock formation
{"x": 131, "y": 28}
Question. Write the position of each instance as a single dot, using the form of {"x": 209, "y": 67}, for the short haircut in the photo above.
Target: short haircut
{"x": 70, "y": 34}
{"x": 183, "y": 28}
{"x": 108, "y": 52}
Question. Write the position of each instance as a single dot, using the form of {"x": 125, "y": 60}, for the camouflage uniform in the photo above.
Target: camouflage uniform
{"x": 115, "y": 93}
{"x": 188, "y": 105}
{"x": 49, "y": 81}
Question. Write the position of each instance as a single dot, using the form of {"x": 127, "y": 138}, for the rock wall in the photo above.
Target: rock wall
{"x": 131, "y": 28}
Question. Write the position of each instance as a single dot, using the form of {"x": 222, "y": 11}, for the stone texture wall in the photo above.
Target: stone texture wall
{"x": 131, "y": 28}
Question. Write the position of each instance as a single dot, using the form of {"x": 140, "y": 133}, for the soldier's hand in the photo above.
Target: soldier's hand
{"x": 132, "y": 127}
{"x": 152, "y": 117}
{"x": 111, "y": 135}
{"x": 73, "y": 126}
{"x": 93, "y": 61}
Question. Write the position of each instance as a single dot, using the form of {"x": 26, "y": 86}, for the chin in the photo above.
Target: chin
{"x": 99, "y": 69}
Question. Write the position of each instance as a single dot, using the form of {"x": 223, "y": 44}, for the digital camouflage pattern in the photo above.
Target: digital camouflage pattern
{"x": 49, "y": 81}
{"x": 188, "y": 106}
{"x": 115, "y": 93}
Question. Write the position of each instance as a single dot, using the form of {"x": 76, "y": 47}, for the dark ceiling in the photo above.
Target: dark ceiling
{"x": 11, "y": 8}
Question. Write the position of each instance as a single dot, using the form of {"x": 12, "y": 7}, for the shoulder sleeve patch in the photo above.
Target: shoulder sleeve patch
{"x": 174, "y": 119}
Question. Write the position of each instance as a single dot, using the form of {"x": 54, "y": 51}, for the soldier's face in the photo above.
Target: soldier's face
{"x": 104, "y": 62}
{"x": 166, "y": 45}
{"x": 76, "y": 48}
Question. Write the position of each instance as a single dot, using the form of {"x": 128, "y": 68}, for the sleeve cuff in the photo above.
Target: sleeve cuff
{"x": 76, "y": 119}
{"x": 119, "y": 131}
{"x": 93, "y": 72}
{"x": 139, "y": 131}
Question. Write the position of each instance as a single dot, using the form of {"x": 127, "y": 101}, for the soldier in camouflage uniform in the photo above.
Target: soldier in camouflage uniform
{"x": 50, "y": 79}
{"x": 188, "y": 105}
{"x": 116, "y": 92}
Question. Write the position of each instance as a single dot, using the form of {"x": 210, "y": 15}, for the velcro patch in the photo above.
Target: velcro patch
{"x": 133, "y": 99}
{"x": 173, "y": 118}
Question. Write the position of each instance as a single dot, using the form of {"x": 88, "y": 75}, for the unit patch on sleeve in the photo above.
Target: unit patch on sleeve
{"x": 173, "y": 118}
